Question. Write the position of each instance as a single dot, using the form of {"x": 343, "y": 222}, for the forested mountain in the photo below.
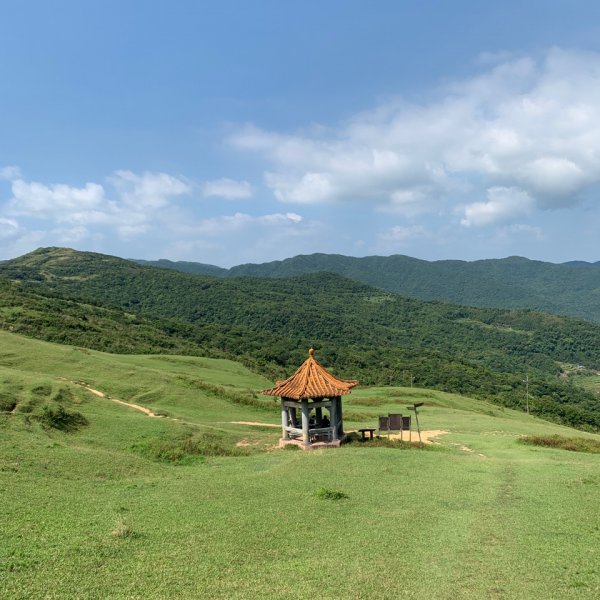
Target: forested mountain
{"x": 184, "y": 267}
{"x": 567, "y": 289}
{"x": 358, "y": 331}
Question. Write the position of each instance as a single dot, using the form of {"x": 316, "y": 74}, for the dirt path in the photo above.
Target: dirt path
{"x": 143, "y": 409}
{"x": 139, "y": 407}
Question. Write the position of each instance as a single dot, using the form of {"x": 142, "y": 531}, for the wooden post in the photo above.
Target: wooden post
{"x": 284, "y": 421}
{"x": 417, "y": 420}
{"x": 319, "y": 415}
{"x": 305, "y": 423}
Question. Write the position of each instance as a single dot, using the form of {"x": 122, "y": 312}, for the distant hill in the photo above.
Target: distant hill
{"x": 183, "y": 267}
{"x": 359, "y": 331}
{"x": 567, "y": 289}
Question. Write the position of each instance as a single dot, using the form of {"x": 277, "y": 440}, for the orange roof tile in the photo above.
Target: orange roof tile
{"x": 311, "y": 380}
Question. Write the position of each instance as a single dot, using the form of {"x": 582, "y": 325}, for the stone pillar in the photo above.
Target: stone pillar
{"x": 334, "y": 419}
{"x": 305, "y": 423}
{"x": 319, "y": 415}
{"x": 341, "y": 417}
{"x": 284, "y": 421}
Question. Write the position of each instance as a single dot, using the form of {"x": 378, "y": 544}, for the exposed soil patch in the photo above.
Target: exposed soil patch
{"x": 413, "y": 436}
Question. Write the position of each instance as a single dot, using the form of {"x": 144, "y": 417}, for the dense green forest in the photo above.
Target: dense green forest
{"x": 567, "y": 289}
{"x": 358, "y": 331}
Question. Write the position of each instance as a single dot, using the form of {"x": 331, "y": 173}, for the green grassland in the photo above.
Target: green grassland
{"x": 130, "y": 506}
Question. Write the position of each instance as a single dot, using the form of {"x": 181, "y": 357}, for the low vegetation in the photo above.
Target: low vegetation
{"x": 328, "y": 494}
{"x": 573, "y": 444}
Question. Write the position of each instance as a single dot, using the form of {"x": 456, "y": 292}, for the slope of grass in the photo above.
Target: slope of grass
{"x": 87, "y": 515}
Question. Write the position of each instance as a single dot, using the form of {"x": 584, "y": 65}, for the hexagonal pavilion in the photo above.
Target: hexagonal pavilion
{"x": 312, "y": 390}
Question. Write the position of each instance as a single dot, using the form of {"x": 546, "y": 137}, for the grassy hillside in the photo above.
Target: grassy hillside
{"x": 566, "y": 289}
{"x": 377, "y": 337}
{"x": 130, "y": 506}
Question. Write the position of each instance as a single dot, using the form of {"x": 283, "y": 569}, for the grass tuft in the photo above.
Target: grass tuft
{"x": 122, "y": 529}
{"x": 329, "y": 494}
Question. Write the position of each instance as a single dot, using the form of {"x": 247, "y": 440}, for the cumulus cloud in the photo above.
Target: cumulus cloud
{"x": 129, "y": 206}
{"x": 238, "y": 221}
{"x": 9, "y": 228}
{"x": 149, "y": 190}
{"x": 10, "y": 172}
{"x": 526, "y": 124}
{"x": 401, "y": 234}
{"x": 229, "y": 189}
{"x": 43, "y": 201}
{"x": 532, "y": 232}
{"x": 503, "y": 204}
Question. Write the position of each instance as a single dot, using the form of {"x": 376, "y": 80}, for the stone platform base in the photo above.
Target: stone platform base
{"x": 313, "y": 446}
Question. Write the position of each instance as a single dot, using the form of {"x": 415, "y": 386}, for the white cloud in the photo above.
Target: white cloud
{"x": 503, "y": 205}
{"x": 43, "y": 201}
{"x": 10, "y": 173}
{"x": 309, "y": 189}
{"x": 228, "y": 189}
{"x": 71, "y": 235}
{"x": 149, "y": 190}
{"x": 528, "y": 231}
{"x": 134, "y": 205}
{"x": 240, "y": 221}
{"x": 523, "y": 123}
{"x": 401, "y": 234}
{"x": 9, "y": 228}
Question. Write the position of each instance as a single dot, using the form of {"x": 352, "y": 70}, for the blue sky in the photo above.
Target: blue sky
{"x": 230, "y": 132}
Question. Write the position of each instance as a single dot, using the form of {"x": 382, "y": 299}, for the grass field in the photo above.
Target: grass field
{"x": 131, "y": 506}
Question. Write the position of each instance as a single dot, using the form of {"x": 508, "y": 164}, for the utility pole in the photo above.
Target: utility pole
{"x": 526, "y": 382}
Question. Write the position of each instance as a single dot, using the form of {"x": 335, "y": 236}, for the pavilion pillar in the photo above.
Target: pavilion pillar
{"x": 340, "y": 416}
{"x": 334, "y": 419}
{"x": 305, "y": 423}
{"x": 318, "y": 415}
{"x": 284, "y": 421}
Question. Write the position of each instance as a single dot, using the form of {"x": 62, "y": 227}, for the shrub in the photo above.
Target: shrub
{"x": 60, "y": 418}
{"x": 42, "y": 390}
{"x": 7, "y": 402}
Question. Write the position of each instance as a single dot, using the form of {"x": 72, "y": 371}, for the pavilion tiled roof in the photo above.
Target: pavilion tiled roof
{"x": 311, "y": 380}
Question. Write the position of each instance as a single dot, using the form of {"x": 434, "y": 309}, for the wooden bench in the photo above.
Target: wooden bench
{"x": 369, "y": 430}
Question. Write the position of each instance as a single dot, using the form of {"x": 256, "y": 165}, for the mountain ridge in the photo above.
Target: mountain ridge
{"x": 571, "y": 289}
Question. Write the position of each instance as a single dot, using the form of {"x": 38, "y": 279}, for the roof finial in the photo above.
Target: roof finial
{"x": 311, "y": 352}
